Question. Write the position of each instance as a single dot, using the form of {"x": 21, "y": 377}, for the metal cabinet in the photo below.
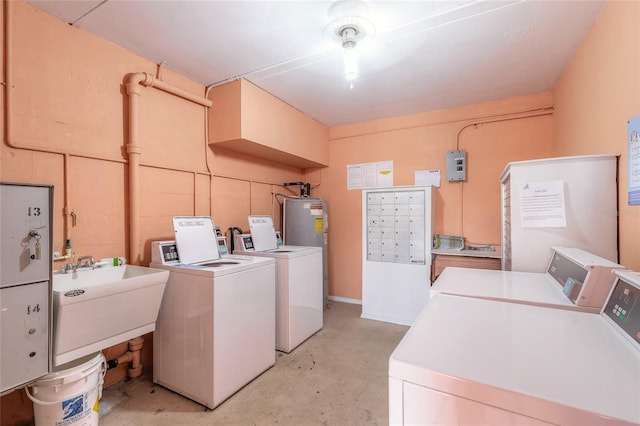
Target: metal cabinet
{"x": 25, "y": 283}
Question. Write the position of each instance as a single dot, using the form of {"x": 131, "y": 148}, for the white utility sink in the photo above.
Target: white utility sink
{"x": 94, "y": 309}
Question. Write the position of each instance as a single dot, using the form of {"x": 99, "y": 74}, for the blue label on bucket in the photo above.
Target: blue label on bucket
{"x": 74, "y": 409}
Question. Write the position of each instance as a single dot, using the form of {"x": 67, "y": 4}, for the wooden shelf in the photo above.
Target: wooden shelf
{"x": 442, "y": 261}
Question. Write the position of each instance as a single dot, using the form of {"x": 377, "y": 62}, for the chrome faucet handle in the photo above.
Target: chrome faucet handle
{"x": 90, "y": 262}
{"x": 68, "y": 267}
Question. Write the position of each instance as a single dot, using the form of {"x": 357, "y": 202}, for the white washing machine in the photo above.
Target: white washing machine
{"x": 216, "y": 327}
{"x": 299, "y": 293}
{"x": 575, "y": 280}
{"x": 468, "y": 361}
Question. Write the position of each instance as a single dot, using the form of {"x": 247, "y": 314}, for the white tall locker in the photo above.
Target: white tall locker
{"x": 590, "y": 198}
{"x": 398, "y": 225}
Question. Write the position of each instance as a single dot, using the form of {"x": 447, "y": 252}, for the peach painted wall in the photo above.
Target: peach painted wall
{"x": 68, "y": 98}
{"x": 598, "y": 92}
{"x": 504, "y": 131}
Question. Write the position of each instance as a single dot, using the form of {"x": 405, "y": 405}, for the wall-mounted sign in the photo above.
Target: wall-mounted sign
{"x": 370, "y": 175}
{"x": 543, "y": 205}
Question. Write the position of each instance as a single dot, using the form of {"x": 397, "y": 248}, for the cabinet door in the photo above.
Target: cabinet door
{"x": 374, "y": 209}
{"x": 401, "y": 209}
{"x": 373, "y": 198}
{"x": 387, "y": 198}
{"x": 387, "y": 210}
{"x": 24, "y": 323}
{"x": 416, "y": 210}
{"x": 401, "y": 198}
{"x": 416, "y": 197}
{"x": 25, "y": 226}
{"x": 402, "y": 222}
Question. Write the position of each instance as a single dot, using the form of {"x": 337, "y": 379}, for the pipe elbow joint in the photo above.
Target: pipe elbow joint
{"x": 136, "y": 79}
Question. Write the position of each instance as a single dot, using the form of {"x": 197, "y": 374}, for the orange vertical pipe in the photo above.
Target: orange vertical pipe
{"x": 133, "y": 150}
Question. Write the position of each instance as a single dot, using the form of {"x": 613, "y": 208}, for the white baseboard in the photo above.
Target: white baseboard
{"x": 345, "y": 300}
{"x": 386, "y": 319}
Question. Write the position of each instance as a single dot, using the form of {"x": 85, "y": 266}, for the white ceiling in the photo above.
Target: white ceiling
{"x": 425, "y": 55}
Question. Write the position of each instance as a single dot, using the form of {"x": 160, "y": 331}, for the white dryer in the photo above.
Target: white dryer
{"x": 574, "y": 280}
{"x": 299, "y": 291}
{"x": 216, "y": 326}
{"x": 476, "y": 361}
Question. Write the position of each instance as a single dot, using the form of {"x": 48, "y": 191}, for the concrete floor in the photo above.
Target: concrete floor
{"x": 337, "y": 377}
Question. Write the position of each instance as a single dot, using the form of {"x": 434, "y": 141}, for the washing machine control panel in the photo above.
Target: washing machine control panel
{"x": 222, "y": 245}
{"x": 164, "y": 252}
{"x": 243, "y": 242}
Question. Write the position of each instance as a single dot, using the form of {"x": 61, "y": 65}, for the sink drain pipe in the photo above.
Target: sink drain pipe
{"x": 132, "y": 356}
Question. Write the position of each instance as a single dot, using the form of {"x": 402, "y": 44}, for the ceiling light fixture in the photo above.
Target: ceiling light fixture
{"x": 350, "y": 53}
{"x": 349, "y": 26}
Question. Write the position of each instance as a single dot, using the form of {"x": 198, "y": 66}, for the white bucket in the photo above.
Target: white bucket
{"x": 70, "y": 396}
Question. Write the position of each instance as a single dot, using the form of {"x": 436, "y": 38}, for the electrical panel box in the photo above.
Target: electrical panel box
{"x": 456, "y": 165}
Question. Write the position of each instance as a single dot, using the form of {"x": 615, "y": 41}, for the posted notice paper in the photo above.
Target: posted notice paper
{"x": 542, "y": 205}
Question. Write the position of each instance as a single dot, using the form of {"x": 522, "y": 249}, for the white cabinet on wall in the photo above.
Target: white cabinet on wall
{"x": 590, "y": 197}
{"x": 397, "y": 232}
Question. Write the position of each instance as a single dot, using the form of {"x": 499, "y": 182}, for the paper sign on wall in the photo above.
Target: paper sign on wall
{"x": 370, "y": 175}
{"x": 427, "y": 177}
{"x": 542, "y": 205}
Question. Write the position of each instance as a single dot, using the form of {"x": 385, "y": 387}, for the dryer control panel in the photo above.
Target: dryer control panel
{"x": 586, "y": 279}
{"x": 623, "y": 305}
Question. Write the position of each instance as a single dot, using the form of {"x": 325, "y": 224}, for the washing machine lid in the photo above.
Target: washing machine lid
{"x": 549, "y": 364}
{"x": 519, "y": 287}
{"x": 196, "y": 239}
{"x": 263, "y": 233}
{"x": 226, "y": 265}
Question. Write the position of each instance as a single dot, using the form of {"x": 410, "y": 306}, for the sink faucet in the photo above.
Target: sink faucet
{"x": 68, "y": 267}
{"x": 85, "y": 262}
